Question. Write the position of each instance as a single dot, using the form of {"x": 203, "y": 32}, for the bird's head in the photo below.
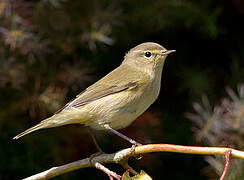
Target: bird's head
{"x": 147, "y": 56}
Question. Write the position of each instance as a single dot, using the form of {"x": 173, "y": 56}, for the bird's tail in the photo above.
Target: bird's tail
{"x": 56, "y": 120}
{"x": 41, "y": 125}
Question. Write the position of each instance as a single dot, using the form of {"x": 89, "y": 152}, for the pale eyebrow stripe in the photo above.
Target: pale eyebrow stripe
{"x": 138, "y": 51}
{"x": 152, "y": 51}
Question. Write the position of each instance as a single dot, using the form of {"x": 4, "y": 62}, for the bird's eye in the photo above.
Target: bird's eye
{"x": 148, "y": 54}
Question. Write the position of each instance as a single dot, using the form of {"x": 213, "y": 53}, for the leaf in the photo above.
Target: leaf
{"x": 141, "y": 176}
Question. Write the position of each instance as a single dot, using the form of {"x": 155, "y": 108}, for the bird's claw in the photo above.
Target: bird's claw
{"x": 132, "y": 151}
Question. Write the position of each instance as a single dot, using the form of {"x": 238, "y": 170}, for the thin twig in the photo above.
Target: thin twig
{"x": 128, "y": 167}
{"x": 110, "y": 173}
{"x": 124, "y": 154}
{"x": 227, "y": 164}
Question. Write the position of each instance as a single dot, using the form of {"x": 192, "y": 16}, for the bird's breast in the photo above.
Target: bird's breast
{"x": 121, "y": 109}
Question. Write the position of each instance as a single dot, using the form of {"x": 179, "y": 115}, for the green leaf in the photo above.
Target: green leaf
{"x": 141, "y": 176}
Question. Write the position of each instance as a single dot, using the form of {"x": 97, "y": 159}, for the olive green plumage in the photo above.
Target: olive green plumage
{"x": 120, "y": 97}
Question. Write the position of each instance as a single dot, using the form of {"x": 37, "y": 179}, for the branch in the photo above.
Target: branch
{"x": 121, "y": 156}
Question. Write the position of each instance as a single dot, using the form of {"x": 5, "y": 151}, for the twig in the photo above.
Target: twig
{"x": 124, "y": 154}
{"x": 110, "y": 174}
{"x": 127, "y": 167}
{"x": 227, "y": 164}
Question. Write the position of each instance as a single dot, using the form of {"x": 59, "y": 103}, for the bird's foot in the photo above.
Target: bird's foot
{"x": 95, "y": 155}
{"x": 132, "y": 151}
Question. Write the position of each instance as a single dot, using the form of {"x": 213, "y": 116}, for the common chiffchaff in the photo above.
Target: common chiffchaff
{"x": 117, "y": 99}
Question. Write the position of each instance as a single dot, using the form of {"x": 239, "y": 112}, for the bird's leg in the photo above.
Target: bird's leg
{"x": 95, "y": 141}
{"x": 96, "y": 144}
{"x": 133, "y": 142}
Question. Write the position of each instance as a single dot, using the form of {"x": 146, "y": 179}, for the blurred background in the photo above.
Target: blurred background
{"x": 51, "y": 50}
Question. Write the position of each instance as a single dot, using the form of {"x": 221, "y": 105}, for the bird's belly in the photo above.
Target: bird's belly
{"x": 117, "y": 110}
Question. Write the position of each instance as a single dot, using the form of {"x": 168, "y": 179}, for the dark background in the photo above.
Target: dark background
{"x": 50, "y": 50}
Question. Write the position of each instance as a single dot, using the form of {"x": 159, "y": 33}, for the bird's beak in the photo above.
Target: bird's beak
{"x": 166, "y": 52}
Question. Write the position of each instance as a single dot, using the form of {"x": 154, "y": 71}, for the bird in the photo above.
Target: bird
{"x": 117, "y": 99}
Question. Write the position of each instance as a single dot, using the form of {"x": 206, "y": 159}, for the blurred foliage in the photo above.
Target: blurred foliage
{"x": 222, "y": 125}
{"x": 50, "y": 50}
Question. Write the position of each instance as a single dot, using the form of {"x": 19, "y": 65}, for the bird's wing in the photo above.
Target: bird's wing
{"x": 114, "y": 82}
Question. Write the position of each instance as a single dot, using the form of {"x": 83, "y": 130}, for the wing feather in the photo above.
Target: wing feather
{"x": 110, "y": 84}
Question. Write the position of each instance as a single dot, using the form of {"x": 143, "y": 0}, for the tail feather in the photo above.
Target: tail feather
{"x": 59, "y": 119}
{"x": 34, "y": 128}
